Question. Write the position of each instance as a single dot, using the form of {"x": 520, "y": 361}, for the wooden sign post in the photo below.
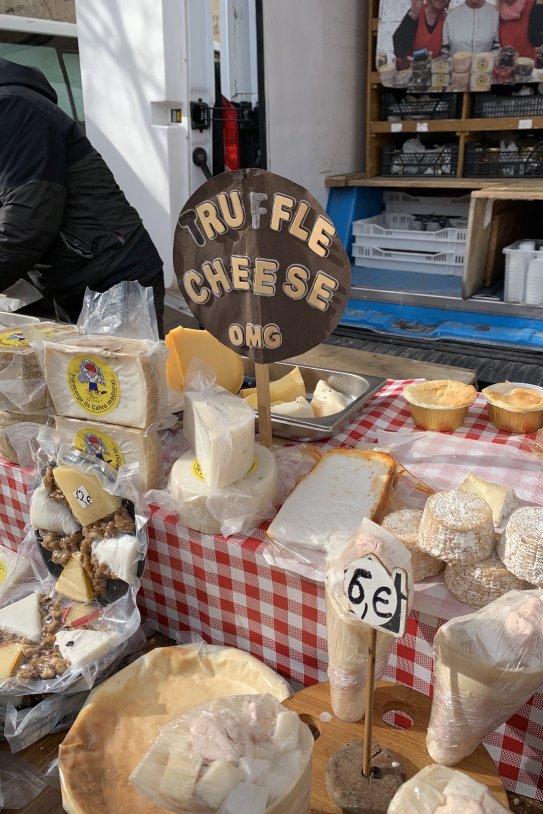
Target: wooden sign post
{"x": 262, "y": 269}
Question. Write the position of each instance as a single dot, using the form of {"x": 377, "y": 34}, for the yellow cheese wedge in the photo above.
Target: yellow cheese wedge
{"x": 186, "y": 344}
{"x": 288, "y": 388}
{"x": 87, "y": 499}
{"x": 10, "y": 657}
{"x": 81, "y": 613}
{"x": 74, "y": 583}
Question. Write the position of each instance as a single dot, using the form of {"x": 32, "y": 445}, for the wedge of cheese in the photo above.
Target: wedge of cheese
{"x": 501, "y": 499}
{"x": 74, "y": 582}
{"x": 87, "y": 499}
{"x": 11, "y": 656}
{"x": 186, "y": 345}
{"x": 327, "y": 507}
{"x": 81, "y": 647}
{"x": 220, "y": 429}
{"x": 23, "y": 618}
{"x": 13, "y": 569}
{"x": 107, "y": 378}
{"x": 51, "y": 515}
{"x": 117, "y": 446}
{"x": 287, "y": 388}
{"x": 120, "y": 554}
{"x": 299, "y": 408}
{"x": 327, "y": 401}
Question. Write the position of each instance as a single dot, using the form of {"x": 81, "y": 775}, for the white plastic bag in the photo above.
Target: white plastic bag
{"x": 438, "y": 790}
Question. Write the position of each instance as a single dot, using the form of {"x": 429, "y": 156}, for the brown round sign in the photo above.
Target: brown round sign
{"x": 260, "y": 264}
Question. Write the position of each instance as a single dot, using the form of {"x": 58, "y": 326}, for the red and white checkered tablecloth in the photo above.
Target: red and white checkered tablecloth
{"x": 225, "y": 592}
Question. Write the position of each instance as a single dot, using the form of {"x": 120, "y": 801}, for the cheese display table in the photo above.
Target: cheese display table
{"x": 225, "y": 592}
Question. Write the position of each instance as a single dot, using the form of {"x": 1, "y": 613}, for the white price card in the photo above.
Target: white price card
{"x": 396, "y": 127}
{"x": 375, "y": 595}
{"x": 83, "y": 497}
{"x": 525, "y": 124}
{"x": 422, "y": 127}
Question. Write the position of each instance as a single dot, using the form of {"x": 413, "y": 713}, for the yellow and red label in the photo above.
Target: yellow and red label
{"x": 100, "y": 444}
{"x": 93, "y": 384}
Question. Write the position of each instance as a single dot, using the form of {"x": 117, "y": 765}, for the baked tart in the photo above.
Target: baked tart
{"x": 439, "y": 405}
{"x": 514, "y": 406}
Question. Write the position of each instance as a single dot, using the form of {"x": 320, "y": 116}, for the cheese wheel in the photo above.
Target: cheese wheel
{"x": 111, "y": 379}
{"x": 205, "y": 509}
{"x": 117, "y": 446}
{"x": 459, "y": 81}
{"x": 477, "y": 585}
{"x": 521, "y": 545}
{"x": 482, "y": 63}
{"x": 480, "y": 82}
{"x": 457, "y": 526}
{"x": 404, "y": 524}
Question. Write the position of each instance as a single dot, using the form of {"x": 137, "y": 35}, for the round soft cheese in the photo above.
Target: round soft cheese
{"x": 457, "y": 526}
{"x": 521, "y": 545}
{"x": 206, "y": 510}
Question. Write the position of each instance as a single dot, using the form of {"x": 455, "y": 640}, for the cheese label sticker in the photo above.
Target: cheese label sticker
{"x": 102, "y": 446}
{"x": 3, "y": 571}
{"x": 197, "y": 472}
{"x": 93, "y": 384}
{"x": 13, "y": 339}
{"x": 83, "y": 497}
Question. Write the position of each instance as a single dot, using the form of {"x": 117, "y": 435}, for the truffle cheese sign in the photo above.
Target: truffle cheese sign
{"x": 260, "y": 264}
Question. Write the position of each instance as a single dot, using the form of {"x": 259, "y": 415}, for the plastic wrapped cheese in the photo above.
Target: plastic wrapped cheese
{"x": 117, "y": 446}
{"x": 8, "y": 419}
{"x": 486, "y": 665}
{"x": 220, "y": 429}
{"x": 440, "y": 790}
{"x": 14, "y": 568}
{"x": 50, "y": 514}
{"x": 107, "y": 378}
{"x": 241, "y": 505}
{"x": 242, "y": 754}
{"x": 348, "y": 637}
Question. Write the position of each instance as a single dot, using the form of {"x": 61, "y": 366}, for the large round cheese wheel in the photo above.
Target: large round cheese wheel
{"x": 123, "y": 716}
{"x": 206, "y": 510}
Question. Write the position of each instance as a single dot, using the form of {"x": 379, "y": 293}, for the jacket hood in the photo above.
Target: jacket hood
{"x": 13, "y": 74}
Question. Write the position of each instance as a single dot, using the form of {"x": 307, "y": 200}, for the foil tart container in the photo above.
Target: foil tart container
{"x": 438, "y": 419}
{"x": 517, "y": 421}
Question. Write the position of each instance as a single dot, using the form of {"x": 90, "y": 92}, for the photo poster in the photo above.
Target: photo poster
{"x": 431, "y": 46}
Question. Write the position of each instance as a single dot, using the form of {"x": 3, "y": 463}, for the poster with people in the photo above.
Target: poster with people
{"x": 459, "y": 45}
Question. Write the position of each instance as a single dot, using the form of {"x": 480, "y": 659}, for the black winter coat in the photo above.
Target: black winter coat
{"x": 62, "y": 216}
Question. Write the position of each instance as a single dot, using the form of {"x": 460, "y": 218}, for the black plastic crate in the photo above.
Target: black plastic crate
{"x": 407, "y": 107}
{"x": 492, "y": 105}
{"x": 492, "y": 162}
{"x": 441, "y": 162}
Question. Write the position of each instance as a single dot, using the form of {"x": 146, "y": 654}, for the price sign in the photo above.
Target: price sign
{"x": 377, "y": 596}
{"x": 83, "y": 497}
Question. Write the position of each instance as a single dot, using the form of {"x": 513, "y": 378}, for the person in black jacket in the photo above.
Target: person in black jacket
{"x": 64, "y": 222}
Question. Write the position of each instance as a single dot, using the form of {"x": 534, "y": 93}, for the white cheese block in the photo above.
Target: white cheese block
{"x": 501, "y": 499}
{"x": 221, "y": 431}
{"x": 107, "y": 378}
{"x": 120, "y": 554}
{"x": 457, "y": 526}
{"x": 326, "y": 400}
{"x": 23, "y": 618}
{"x": 327, "y": 507}
{"x": 299, "y": 408}
{"x": 13, "y": 569}
{"x": 204, "y": 509}
{"x": 217, "y": 782}
{"x": 117, "y": 446}
{"x": 51, "y": 515}
{"x": 80, "y": 647}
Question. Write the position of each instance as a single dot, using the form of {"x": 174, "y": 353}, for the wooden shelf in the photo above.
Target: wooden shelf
{"x": 459, "y": 125}
{"x": 359, "y": 179}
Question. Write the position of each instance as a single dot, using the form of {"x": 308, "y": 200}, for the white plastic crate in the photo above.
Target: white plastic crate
{"x": 396, "y": 201}
{"x": 397, "y": 232}
{"x": 437, "y": 263}
{"x": 524, "y": 279}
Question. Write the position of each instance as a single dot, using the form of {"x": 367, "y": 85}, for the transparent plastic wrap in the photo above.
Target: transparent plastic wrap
{"x": 244, "y": 754}
{"x": 486, "y": 665}
{"x": 123, "y": 716}
{"x": 348, "y": 637}
{"x": 439, "y": 790}
{"x": 126, "y": 310}
{"x": 13, "y": 424}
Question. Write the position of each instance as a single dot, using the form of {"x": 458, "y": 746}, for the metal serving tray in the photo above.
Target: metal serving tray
{"x": 356, "y": 387}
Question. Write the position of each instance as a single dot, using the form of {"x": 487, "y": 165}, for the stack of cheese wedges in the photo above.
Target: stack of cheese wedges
{"x": 108, "y": 392}
{"x": 225, "y": 483}
{"x": 23, "y": 392}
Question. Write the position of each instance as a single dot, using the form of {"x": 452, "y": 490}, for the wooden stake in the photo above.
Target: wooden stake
{"x": 262, "y": 375}
{"x": 370, "y": 689}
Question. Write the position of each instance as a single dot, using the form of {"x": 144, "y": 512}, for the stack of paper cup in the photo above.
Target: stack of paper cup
{"x": 533, "y": 294}
{"x": 516, "y": 267}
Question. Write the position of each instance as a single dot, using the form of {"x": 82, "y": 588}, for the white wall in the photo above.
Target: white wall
{"x": 139, "y": 60}
{"x": 315, "y": 74}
